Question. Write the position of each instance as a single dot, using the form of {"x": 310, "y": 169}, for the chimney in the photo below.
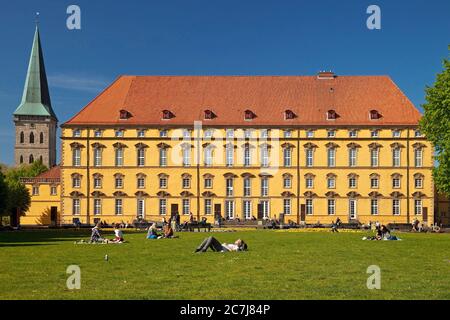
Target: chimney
{"x": 326, "y": 75}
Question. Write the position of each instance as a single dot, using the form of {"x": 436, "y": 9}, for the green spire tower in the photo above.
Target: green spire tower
{"x": 34, "y": 119}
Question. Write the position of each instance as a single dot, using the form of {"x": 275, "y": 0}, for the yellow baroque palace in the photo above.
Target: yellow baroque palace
{"x": 305, "y": 149}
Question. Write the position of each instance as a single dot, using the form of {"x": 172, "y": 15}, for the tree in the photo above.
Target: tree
{"x": 436, "y": 125}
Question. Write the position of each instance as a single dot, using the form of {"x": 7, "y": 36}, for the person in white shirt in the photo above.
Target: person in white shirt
{"x": 215, "y": 245}
{"x": 118, "y": 234}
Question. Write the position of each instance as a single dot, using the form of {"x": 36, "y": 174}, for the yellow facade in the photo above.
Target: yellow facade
{"x": 442, "y": 210}
{"x": 87, "y": 202}
{"x": 45, "y": 202}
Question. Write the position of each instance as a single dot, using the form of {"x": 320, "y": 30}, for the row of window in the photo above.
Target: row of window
{"x": 247, "y": 182}
{"x": 247, "y": 133}
{"x": 53, "y": 190}
{"x": 247, "y": 209}
{"x": 31, "y": 138}
{"x": 30, "y": 159}
{"x": 248, "y": 155}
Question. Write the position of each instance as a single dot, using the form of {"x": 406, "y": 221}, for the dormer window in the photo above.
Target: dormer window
{"x": 167, "y": 114}
{"x": 249, "y": 115}
{"x": 374, "y": 115}
{"x": 332, "y": 115}
{"x": 124, "y": 115}
{"x": 289, "y": 115}
{"x": 209, "y": 115}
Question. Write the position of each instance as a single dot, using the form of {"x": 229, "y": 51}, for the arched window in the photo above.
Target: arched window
{"x": 31, "y": 137}
{"x": 40, "y": 159}
{"x": 41, "y": 137}
{"x": 21, "y": 159}
{"x": 22, "y": 137}
{"x": 31, "y": 160}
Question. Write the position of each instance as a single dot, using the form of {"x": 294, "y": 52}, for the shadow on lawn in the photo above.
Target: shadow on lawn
{"x": 39, "y": 238}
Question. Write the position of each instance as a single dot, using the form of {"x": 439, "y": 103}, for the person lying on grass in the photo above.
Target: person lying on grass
{"x": 382, "y": 233}
{"x": 215, "y": 245}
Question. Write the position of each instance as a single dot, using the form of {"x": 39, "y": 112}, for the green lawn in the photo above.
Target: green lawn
{"x": 279, "y": 265}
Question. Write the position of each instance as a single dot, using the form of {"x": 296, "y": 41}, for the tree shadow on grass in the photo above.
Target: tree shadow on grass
{"x": 40, "y": 238}
{"x": 4, "y": 245}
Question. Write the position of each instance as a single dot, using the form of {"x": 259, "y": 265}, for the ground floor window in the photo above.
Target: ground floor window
{"x": 418, "y": 207}
{"x": 97, "y": 207}
{"x": 162, "y": 207}
{"x": 119, "y": 207}
{"x": 229, "y": 209}
{"x": 286, "y": 206}
{"x": 141, "y": 208}
{"x": 265, "y": 207}
{"x": 331, "y": 207}
{"x": 186, "y": 204}
{"x": 396, "y": 207}
{"x": 374, "y": 207}
{"x": 76, "y": 208}
{"x": 247, "y": 209}
{"x": 352, "y": 208}
{"x": 208, "y": 206}
{"x": 309, "y": 207}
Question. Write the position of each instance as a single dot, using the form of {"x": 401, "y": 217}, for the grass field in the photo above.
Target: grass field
{"x": 278, "y": 265}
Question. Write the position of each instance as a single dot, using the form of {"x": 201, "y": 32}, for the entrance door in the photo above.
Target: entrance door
{"x": 53, "y": 216}
{"x": 217, "y": 210}
{"x": 302, "y": 212}
{"x": 173, "y": 209}
{"x": 425, "y": 213}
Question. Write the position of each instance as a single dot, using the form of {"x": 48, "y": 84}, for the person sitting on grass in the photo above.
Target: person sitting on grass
{"x": 168, "y": 231}
{"x": 95, "y": 234}
{"x": 334, "y": 227}
{"x": 152, "y": 232}
{"x": 215, "y": 245}
{"x": 387, "y": 234}
{"x": 118, "y": 234}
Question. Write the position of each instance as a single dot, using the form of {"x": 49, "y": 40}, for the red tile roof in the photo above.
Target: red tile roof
{"x": 53, "y": 173}
{"x": 268, "y": 97}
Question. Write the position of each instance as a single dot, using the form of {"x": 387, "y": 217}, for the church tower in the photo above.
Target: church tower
{"x": 34, "y": 119}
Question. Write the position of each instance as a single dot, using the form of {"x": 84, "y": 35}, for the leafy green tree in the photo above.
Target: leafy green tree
{"x": 436, "y": 126}
{"x": 25, "y": 171}
{"x": 3, "y": 194}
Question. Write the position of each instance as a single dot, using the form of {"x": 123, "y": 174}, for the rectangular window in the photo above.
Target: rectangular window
{"x": 186, "y": 184}
{"x": 118, "y": 206}
{"x": 97, "y": 183}
{"x": 229, "y": 209}
{"x": 265, "y": 207}
{"x": 287, "y": 133}
{"x": 374, "y": 157}
{"x": 374, "y": 183}
{"x": 331, "y": 157}
{"x": 309, "y": 207}
{"x": 163, "y": 133}
{"x": 119, "y": 183}
{"x": 309, "y": 157}
{"x": 186, "y": 156}
{"x": 162, "y": 157}
{"x": 396, "y": 207}
{"x": 76, "y": 207}
{"x": 374, "y": 207}
{"x": 186, "y": 204}
{"x": 119, "y": 133}
{"x": 208, "y": 157}
{"x": 353, "y": 133}
{"x": 98, "y": 133}
{"x": 396, "y": 133}
{"x": 418, "y": 207}
{"x": 141, "y": 157}
{"x": 97, "y": 207}
{"x": 53, "y": 191}
{"x": 140, "y": 208}
{"x": 97, "y": 157}
{"x": 352, "y": 209}
{"x": 287, "y": 157}
{"x": 331, "y": 207}
{"x": 247, "y": 187}
{"x": 162, "y": 207}
{"x": 396, "y": 183}
{"x": 352, "y": 156}
{"x": 35, "y": 191}
{"x": 418, "y": 183}
{"x": 230, "y": 133}
{"x": 208, "y": 183}
{"x": 141, "y": 183}
{"x": 374, "y": 133}
{"x": 331, "y": 183}
{"x": 208, "y": 206}
{"x": 141, "y": 133}
{"x": 310, "y": 134}
{"x": 264, "y": 187}
{"x": 418, "y": 156}
{"x": 352, "y": 183}
{"x": 331, "y": 134}
{"x": 119, "y": 157}
{"x": 309, "y": 183}
{"x": 162, "y": 183}
{"x": 229, "y": 155}
{"x": 287, "y": 182}
{"x": 287, "y": 206}
{"x": 247, "y": 209}
{"x": 229, "y": 186}
{"x": 76, "y": 133}
{"x": 247, "y": 156}
{"x": 76, "y": 157}
{"x": 264, "y": 157}
{"x": 396, "y": 157}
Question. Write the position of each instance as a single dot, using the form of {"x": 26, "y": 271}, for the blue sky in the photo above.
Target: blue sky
{"x": 235, "y": 37}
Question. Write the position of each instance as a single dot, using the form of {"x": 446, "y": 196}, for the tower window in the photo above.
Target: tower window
{"x": 22, "y": 137}
{"x": 31, "y": 137}
{"x": 31, "y": 159}
{"x": 41, "y": 137}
